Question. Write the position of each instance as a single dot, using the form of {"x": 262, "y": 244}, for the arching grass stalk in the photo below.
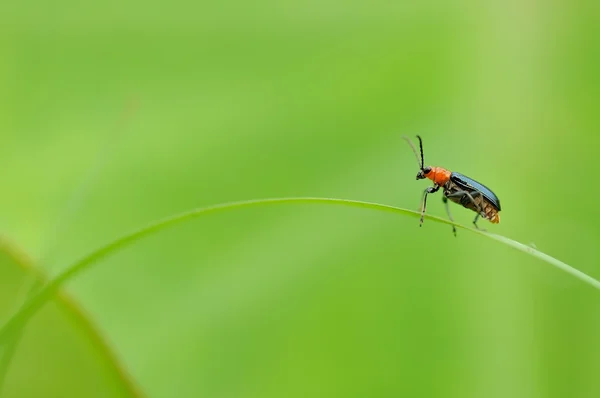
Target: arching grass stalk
{"x": 19, "y": 319}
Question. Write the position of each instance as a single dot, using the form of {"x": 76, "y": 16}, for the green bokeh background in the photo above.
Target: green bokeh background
{"x": 152, "y": 109}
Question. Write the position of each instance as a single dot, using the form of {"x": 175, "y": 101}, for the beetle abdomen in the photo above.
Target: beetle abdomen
{"x": 490, "y": 213}
{"x": 474, "y": 201}
{"x": 470, "y": 184}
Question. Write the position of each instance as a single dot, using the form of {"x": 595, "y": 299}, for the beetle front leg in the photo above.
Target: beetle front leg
{"x": 427, "y": 191}
{"x": 445, "y": 200}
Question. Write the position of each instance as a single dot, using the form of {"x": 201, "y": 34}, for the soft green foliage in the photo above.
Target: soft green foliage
{"x": 239, "y": 100}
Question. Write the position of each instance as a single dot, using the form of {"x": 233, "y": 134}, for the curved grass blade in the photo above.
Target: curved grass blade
{"x": 15, "y": 323}
{"x": 104, "y": 356}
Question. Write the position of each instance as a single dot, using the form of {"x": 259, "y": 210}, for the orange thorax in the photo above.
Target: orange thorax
{"x": 439, "y": 175}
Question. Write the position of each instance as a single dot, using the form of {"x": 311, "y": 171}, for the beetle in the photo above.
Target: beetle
{"x": 459, "y": 189}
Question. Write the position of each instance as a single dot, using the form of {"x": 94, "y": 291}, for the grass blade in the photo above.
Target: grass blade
{"x": 19, "y": 319}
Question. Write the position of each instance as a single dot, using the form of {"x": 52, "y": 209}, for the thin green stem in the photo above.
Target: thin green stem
{"x": 19, "y": 319}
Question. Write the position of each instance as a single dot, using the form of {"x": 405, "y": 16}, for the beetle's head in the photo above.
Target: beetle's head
{"x": 422, "y": 174}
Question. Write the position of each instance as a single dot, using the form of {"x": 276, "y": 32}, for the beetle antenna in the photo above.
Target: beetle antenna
{"x": 421, "y": 146}
{"x": 420, "y": 161}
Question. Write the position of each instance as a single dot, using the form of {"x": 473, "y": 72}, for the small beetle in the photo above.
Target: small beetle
{"x": 459, "y": 189}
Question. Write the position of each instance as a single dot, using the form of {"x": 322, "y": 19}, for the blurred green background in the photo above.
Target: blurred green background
{"x": 156, "y": 108}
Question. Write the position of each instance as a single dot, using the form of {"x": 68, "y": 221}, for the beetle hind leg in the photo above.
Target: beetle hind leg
{"x": 475, "y": 223}
{"x": 471, "y": 197}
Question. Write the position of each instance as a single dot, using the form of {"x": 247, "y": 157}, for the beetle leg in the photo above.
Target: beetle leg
{"x": 477, "y": 193}
{"x": 462, "y": 194}
{"x": 433, "y": 189}
{"x": 475, "y": 222}
{"x": 471, "y": 197}
{"x": 445, "y": 200}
